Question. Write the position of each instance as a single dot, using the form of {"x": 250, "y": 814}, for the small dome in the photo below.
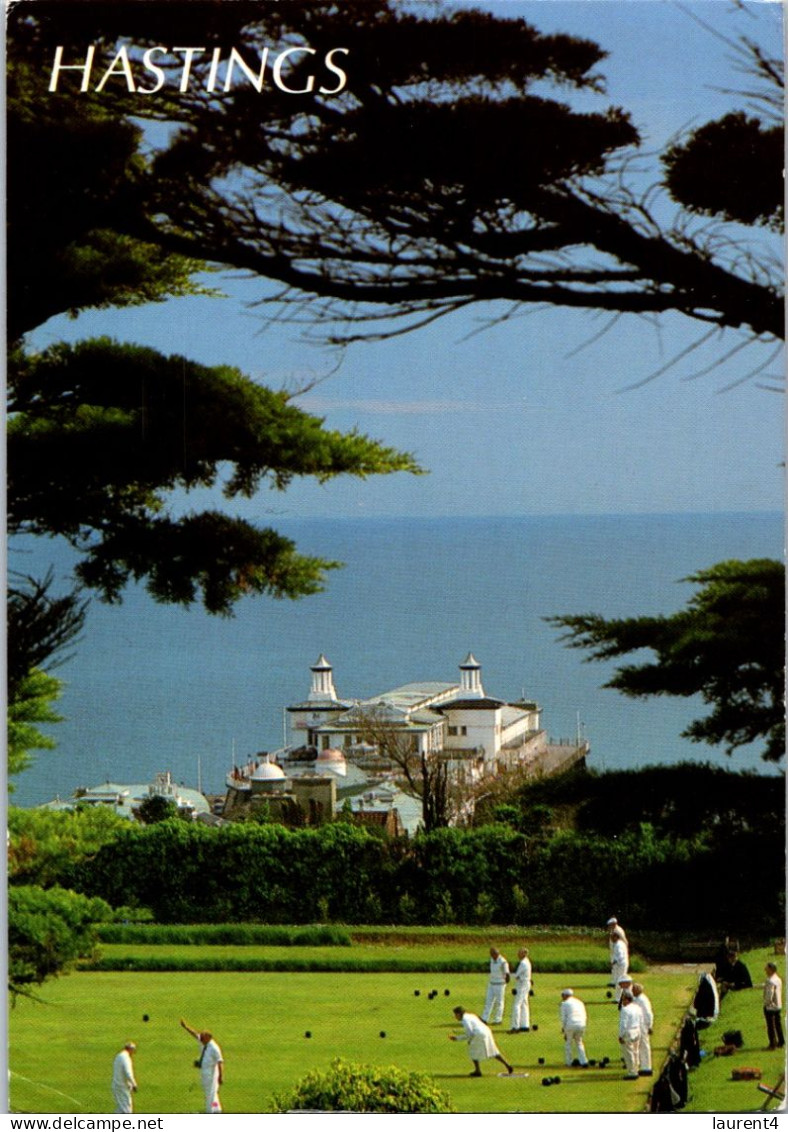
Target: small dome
{"x": 330, "y": 755}
{"x": 267, "y": 771}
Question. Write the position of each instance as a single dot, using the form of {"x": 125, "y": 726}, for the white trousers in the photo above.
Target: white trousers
{"x": 617, "y": 971}
{"x": 521, "y": 1009}
{"x": 630, "y": 1048}
{"x": 210, "y": 1086}
{"x": 122, "y": 1095}
{"x": 645, "y": 1050}
{"x": 573, "y": 1040}
{"x": 493, "y": 1003}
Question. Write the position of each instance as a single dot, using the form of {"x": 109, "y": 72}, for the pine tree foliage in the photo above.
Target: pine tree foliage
{"x": 723, "y": 646}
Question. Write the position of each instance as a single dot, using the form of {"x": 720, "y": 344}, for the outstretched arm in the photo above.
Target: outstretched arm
{"x": 189, "y": 1030}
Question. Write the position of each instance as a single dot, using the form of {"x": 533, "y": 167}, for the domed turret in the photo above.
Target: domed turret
{"x": 331, "y": 760}
{"x": 267, "y": 776}
{"x": 471, "y": 677}
{"x": 322, "y": 681}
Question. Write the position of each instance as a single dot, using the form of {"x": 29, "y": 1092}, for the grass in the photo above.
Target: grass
{"x": 62, "y": 1048}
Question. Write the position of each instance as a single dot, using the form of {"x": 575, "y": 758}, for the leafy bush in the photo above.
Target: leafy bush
{"x": 688, "y": 800}
{"x": 45, "y": 845}
{"x": 47, "y": 931}
{"x": 349, "y": 1087}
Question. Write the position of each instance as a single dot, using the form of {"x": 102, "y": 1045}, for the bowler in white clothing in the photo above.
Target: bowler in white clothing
{"x": 211, "y": 1066}
{"x": 124, "y": 1084}
{"x": 619, "y": 959}
{"x": 574, "y": 1020}
{"x": 643, "y": 1002}
{"x": 496, "y": 987}
{"x": 630, "y": 1027}
{"x": 521, "y": 1009}
{"x": 479, "y": 1036}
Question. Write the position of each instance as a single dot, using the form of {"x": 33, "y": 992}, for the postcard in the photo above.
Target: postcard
{"x": 395, "y": 457}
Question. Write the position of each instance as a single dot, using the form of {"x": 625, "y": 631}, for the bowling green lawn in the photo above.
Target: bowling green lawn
{"x": 62, "y": 1046}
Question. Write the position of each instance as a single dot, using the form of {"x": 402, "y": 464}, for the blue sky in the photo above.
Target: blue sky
{"x": 521, "y": 417}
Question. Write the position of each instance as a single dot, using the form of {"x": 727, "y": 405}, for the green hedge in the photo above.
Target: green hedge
{"x": 204, "y": 961}
{"x": 243, "y": 935}
{"x": 343, "y": 874}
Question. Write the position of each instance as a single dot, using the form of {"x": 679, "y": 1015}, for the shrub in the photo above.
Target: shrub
{"x": 349, "y": 1087}
{"x": 47, "y": 931}
{"x": 45, "y": 845}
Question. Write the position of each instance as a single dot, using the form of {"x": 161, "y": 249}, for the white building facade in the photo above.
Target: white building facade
{"x": 456, "y": 721}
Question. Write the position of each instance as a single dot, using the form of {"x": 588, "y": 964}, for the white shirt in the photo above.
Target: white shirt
{"x": 499, "y": 969}
{"x": 773, "y": 993}
{"x": 123, "y": 1071}
{"x": 573, "y": 1013}
{"x": 643, "y": 1003}
{"x": 479, "y": 1036}
{"x": 630, "y": 1020}
{"x": 522, "y": 975}
{"x": 210, "y": 1058}
{"x": 619, "y": 954}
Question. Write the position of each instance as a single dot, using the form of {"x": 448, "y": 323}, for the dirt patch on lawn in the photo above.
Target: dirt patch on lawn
{"x": 680, "y": 968}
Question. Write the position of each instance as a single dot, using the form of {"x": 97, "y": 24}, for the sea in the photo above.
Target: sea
{"x": 151, "y": 687}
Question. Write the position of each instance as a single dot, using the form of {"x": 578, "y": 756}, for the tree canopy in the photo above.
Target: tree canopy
{"x": 422, "y": 774}
{"x": 40, "y": 626}
{"x": 451, "y": 167}
{"x": 101, "y": 433}
{"x": 724, "y": 646}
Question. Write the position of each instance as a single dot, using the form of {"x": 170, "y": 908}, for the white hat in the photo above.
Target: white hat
{"x": 625, "y": 979}
{"x": 566, "y": 992}
{"x": 612, "y": 920}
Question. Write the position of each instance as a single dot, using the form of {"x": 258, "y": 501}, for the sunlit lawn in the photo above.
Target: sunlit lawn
{"x": 61, "y": 1049}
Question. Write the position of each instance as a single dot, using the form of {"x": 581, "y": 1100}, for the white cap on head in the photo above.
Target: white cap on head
{"x": 130, "y": 1046}
{"x": 566, "y": 992}
{"x": 612, "y": 920}
{"x": 625, "y": 979}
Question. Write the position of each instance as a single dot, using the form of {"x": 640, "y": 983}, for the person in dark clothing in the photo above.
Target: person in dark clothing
{"x": 731, "y": 974}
